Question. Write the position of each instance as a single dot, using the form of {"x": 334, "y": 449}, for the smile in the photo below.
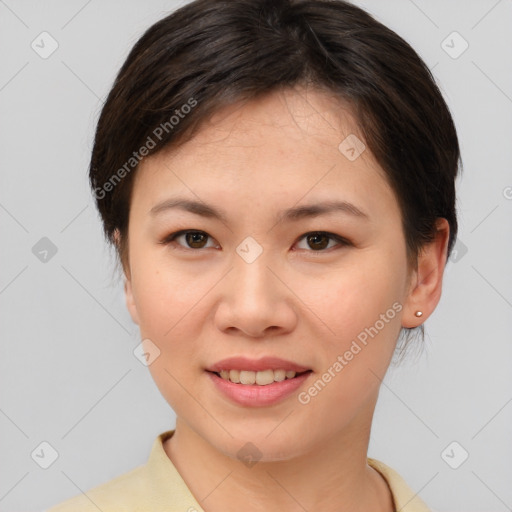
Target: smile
{"x": 257, "y": 382}
{"x": 260, "y": 378}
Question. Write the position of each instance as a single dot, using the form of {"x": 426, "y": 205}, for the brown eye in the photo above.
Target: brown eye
{"x": 196, "y": 240}
{"x": 191, "y": 239}
{"x": 320, "y": 240}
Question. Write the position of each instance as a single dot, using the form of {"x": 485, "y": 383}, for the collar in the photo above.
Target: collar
{"x": 167, "y": 484}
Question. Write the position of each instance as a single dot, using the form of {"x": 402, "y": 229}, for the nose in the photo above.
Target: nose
{"x": 256, "y": 300}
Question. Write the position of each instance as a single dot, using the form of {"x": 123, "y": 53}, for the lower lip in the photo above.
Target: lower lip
{"x": 255, "y": 395}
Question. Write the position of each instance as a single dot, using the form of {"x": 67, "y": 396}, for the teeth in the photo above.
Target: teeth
{"x": 265, "y": 377}
{"x": 247, "y": 377}
{"x": 260, "y": 378}
{"x": 279, "y": 375}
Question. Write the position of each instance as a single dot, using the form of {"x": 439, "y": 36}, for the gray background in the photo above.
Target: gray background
{"x": 68, "y": 373}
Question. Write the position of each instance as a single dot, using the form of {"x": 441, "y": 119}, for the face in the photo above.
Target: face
{"x": 318, "y": 290}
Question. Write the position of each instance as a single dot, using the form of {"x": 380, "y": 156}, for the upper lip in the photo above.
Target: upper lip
{"x": 256, "y": 365}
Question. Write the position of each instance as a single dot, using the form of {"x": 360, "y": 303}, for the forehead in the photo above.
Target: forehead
{"x": 294, "y": 119}
{"x": 281, "y": 148}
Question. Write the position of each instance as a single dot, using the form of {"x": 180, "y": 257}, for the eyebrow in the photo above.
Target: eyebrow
{"x": 290, "y": 215}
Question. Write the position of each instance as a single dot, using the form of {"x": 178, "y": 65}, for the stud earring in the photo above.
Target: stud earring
{"x": 418, "y": 313}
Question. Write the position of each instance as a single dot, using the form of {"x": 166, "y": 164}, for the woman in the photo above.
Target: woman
{"x": 278, "y": 178}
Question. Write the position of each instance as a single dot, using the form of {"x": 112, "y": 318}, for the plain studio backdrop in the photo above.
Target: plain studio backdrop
{"x": 72, "y": 388}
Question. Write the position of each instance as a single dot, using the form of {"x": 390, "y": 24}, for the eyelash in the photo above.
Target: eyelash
{"x": 171, "y": 238}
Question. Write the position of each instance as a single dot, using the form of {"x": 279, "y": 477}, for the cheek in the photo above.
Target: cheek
{"x": 358, "y": 313}
{"x": 167, "y": 305}
{"x": 165, "y": 296}
{"x": 354, "y": 359}
{"x": 352, "y": 298}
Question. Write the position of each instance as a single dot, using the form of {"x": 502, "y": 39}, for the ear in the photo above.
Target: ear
{"x": 426, "y": 281}
{"x": 130, "y": 300}
{"x": 128, "y": 291}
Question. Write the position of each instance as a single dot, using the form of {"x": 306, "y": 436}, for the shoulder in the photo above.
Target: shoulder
{"x": 152, "y": 487}
{"x": 122, "y": 494}
{"x": 406, "y": 500}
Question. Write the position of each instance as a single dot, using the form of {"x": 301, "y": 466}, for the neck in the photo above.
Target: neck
{"x": 332, "y": 476}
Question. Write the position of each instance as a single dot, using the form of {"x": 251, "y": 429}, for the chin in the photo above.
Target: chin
{"x": 260, "y": 445}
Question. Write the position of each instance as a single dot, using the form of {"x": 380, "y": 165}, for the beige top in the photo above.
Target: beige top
{"x": 157, "y": 486}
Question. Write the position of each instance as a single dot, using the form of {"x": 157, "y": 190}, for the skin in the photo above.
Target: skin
{"x": 295, "y": 301}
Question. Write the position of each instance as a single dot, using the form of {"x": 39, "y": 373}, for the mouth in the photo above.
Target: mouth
{"x": 258, "y": 378}
{"x": 257, "y": 382}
